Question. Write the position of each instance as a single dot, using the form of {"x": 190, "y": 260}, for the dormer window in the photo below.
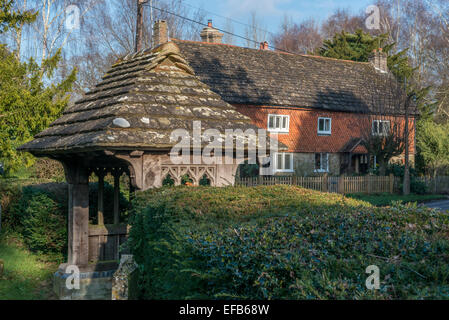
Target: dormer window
{"x": 278, "y": 123}
{"x": 324, "y": 126}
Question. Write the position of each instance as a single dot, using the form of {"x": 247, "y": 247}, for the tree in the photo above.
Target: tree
{"x": 254, "y": 32}
{"x": 27, "y": 106}
{"x": 303, "y": 38}
{"x": 11, "y": 19}
{"x": 341, "y": 20}
{"x": 358, "y": 47}
{"x": 433, "y": 142}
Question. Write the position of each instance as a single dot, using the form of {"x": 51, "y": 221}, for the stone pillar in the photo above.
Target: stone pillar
{"x": 120, "y": 279}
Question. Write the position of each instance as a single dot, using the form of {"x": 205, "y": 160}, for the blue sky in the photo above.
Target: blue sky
{"x": 272, "y": 12}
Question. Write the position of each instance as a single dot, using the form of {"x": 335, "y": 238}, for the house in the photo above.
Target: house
{"x": 316, "y": 105}
{"x": 124, "y": 126}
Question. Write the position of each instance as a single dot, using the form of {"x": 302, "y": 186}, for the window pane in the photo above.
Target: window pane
{"x": 287, "y": 159}
{"x": 284, "y": 122}
{"x": 320, "y": 124}
{"x": 386, "y": 129}
{"x": 327, "y": 126}
{"x": 375, "y": 127}
{"x": 271, "y": 122}
{"x": 325, "y": 161}
{"x": 279, "y": 161}
{"x": 278, "y": 124}
{"x": 317, "y": 161}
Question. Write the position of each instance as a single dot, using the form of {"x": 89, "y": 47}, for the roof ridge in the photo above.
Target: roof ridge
{"x": 272, "y": 51}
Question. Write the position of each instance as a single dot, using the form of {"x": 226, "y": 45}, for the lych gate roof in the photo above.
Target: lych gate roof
{"x": 137, "y": 105}
{"x": 270, "y": 78}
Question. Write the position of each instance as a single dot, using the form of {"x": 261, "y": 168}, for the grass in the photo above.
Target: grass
{"x": 383, "y": 200}
{"x": 26, "y": 276}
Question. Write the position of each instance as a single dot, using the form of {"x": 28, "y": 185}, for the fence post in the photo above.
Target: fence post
{"x": 294, "y": 181}
{"x": 391, "y": 183}
{"x": 341, "y": 184}
{"x": 324, "y": 185}
{"x": 260, "y": 180}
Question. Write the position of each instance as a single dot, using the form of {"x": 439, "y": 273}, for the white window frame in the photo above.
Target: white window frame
{"x": 380, "y": 133}
{"x": 280, "y": 129}
{"x": 324, "y": 132}
{"x": 321, "y": 170}
{"x": 283, "y": 162}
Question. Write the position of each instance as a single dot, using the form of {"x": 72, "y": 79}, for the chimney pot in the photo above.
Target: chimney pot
{"x": 210, "y": 34}
{"x": 264, "y": 45}
{"x": 160, "y": 33}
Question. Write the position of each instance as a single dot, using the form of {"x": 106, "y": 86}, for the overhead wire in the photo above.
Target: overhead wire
{"x": 221, "y": 30}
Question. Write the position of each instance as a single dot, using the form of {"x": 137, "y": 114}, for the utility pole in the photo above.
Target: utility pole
{"x": 151, "y": 23}
{"x": 139, "y": 26}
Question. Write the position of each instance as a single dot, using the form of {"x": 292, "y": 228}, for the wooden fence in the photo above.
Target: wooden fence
{"x": 436, "y": 185}
{"x": 342, "y": 184}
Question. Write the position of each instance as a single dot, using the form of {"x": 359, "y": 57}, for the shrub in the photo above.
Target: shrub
{"x": 9, "y": 194}
{"x": 44, "y": 225}
{"x": 38, "y": 212}
{"x": 284, "y": 242}
{"x": 45, "y": 168}
{"x": 416, "y": 186}
{"x": 41, "y": 221}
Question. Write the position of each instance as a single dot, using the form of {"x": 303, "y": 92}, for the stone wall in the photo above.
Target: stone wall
{"x": 304, "y": 164}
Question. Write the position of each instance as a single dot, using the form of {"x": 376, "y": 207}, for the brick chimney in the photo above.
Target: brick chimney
{"x": 160, "y": 33}
{"x": 264, "y": 45}
{"x": 210, "y": 34}
{"x": 378, "y": 59}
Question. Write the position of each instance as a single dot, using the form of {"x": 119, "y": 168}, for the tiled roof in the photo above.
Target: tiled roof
{"x": 137, "y": 105}
{"x": 264, "y": 77}
{"x": 354, "y": 146}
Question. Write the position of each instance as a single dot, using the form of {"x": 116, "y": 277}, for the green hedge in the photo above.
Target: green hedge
{"x": 284, "y": 242}
{"x": 38, "y": 213}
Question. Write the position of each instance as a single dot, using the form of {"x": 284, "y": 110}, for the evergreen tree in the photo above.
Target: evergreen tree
{"x": 27, "y": 104}
{"x": 11, "y": 19}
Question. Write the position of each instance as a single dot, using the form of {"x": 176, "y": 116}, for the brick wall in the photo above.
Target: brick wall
{"x": 303, "y": 136}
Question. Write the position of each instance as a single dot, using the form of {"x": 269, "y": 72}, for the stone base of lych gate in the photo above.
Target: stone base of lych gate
{"x": 95, "y": 282}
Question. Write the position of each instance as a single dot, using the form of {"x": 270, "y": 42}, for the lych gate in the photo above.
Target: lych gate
{"x": 124, "y": 126}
